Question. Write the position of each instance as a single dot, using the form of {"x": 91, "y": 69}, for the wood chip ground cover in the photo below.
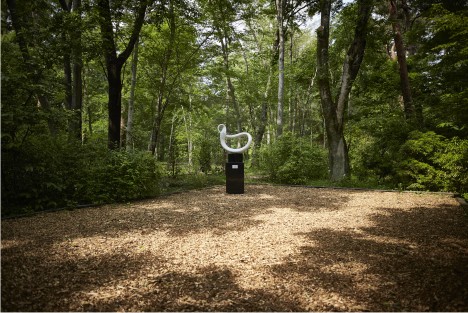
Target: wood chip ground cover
{"x": 270, "y": 249}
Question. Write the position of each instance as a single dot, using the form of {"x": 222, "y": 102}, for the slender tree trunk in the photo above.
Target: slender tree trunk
{"x": 262, "y": 122}
{"x": 131, "y": 101}
{"x": 279, "y": 116}
{"x": 291, "y": 106}
{"x": 67, "y": 71}
{"x": 401, "y": 57}
{"x": 90, "y": 121}
{"x": 154, "y": 139}
{"x": 163, "y": 99}
{"x": 77, "y": 96}
{"x": 188, "y": 133}
{"x": 172, "y": 157}
{"x": 73, "y": 71}
{"x": 262, "y": 114}
{"x": 333, "y": 112}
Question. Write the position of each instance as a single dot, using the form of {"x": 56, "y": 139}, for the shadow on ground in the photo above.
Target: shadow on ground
{"x": 407, "y": 260}
{"x": 32, "y": 282}
{"x": 415, "y": 260}
{"x": 101, "y": 284}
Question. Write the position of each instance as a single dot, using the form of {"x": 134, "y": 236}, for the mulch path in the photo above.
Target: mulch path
{"x": 270, "y": 249}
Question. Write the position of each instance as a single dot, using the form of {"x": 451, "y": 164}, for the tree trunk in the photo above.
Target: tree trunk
{"x": 131, "y": 101}
{"x": 401, "y": 57}
{"x": 163, "y": 100}
{"x": 114, "y": 64}
{"x": 291, "y": 102}
{"x": 114, "y": 105}
{"x": 67, "y": 72}
{"x": 72, "y": 71}
{"x": 77, "y": 95}
{"x": 279, "y": 117}
{"x": 333, "y": 113}
{"x": 90, "y": 122}
{"x": 172, "y": 160}
{"x": 188, "y": 133}
{"x": 154, "y": 139}
{"x": 262, "y": 114}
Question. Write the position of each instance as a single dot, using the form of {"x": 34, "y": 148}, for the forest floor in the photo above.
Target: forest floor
{"x": 273, "y": 248}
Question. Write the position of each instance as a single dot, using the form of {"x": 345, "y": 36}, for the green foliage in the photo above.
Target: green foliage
{"x": 190, "y": 181}
{"x": 183, "y": 74}
{"x": 431, "y": 162}
{"x": 374, "y": 152}
{"x": 204, "y": 155}
{"x": 293, "y": 160}
{"x": 441, "y": 64}
{"x": 46, "y": 173}
{"x": 413, "y": 160}
{"x": 121, "y": 176}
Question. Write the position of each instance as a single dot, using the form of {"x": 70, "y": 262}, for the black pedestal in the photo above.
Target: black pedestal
{"x": 235, "y": 173}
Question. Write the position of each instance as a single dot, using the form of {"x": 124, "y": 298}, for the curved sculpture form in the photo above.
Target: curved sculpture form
{"x": 223, "y": 135}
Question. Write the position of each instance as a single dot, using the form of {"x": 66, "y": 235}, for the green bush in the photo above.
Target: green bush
{"x": 292, "y": 160}
{"x": 432, "y": 162}
{"x": 119, "y": 176}
{"x": 204, "y": 155}
{"x": 378, "y": 154}
{"x": 45, "y": 173}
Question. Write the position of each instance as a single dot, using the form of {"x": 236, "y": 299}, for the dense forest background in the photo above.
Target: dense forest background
{"x": 114, "y": 100}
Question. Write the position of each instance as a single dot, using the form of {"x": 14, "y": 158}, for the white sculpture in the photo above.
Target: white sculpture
{"x": 223, "y": 135}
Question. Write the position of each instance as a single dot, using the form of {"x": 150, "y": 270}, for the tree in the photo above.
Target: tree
{"x": 401, "y": 57}
{"x": 439, "y": 67}
{"x": 223, "y": 12}
{"x": 172, "y": 53}
{"x": 333, "y": 110}
{"x": 279, "y": 16}
{"x": 32, "y": 69}
{"x": 131, "y": 100}
{"x": 114, "y": 64}
{"x": 163, "y": 100}
{"x": 73, "y": 67}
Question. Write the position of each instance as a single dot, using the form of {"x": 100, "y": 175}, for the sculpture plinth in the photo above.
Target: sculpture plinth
{"x": 235, "y": 164}
{"x": 235, "y": 173}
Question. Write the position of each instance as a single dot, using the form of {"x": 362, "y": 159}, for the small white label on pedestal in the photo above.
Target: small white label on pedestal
{"x": 235, "y": 167}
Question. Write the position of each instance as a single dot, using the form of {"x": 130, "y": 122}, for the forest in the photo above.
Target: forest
{"x": 108, "y": 101}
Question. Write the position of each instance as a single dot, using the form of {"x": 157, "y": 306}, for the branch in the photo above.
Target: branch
{"x": 135, "y": 33}
{"x": 354, "y": 56}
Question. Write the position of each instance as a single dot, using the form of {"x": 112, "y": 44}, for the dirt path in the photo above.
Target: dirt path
{"x": 270, "y": 249}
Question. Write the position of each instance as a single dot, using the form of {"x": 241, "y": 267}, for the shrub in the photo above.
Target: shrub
{"x": 119, "y": 176}
{"x": 204, "y": 155}
{"x": 45, "y": 173}
{"x": 293, "y": 160}
{"x": 432, "y": 162}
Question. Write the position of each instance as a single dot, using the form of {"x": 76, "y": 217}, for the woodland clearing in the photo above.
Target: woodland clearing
{"x": 274, "y": 248}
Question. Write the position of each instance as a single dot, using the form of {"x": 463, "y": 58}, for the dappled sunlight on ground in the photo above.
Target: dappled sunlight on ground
{"x": 270, "y": 249}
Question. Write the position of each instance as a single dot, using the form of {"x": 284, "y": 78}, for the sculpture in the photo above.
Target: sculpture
{"x": 223, "y": 135}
